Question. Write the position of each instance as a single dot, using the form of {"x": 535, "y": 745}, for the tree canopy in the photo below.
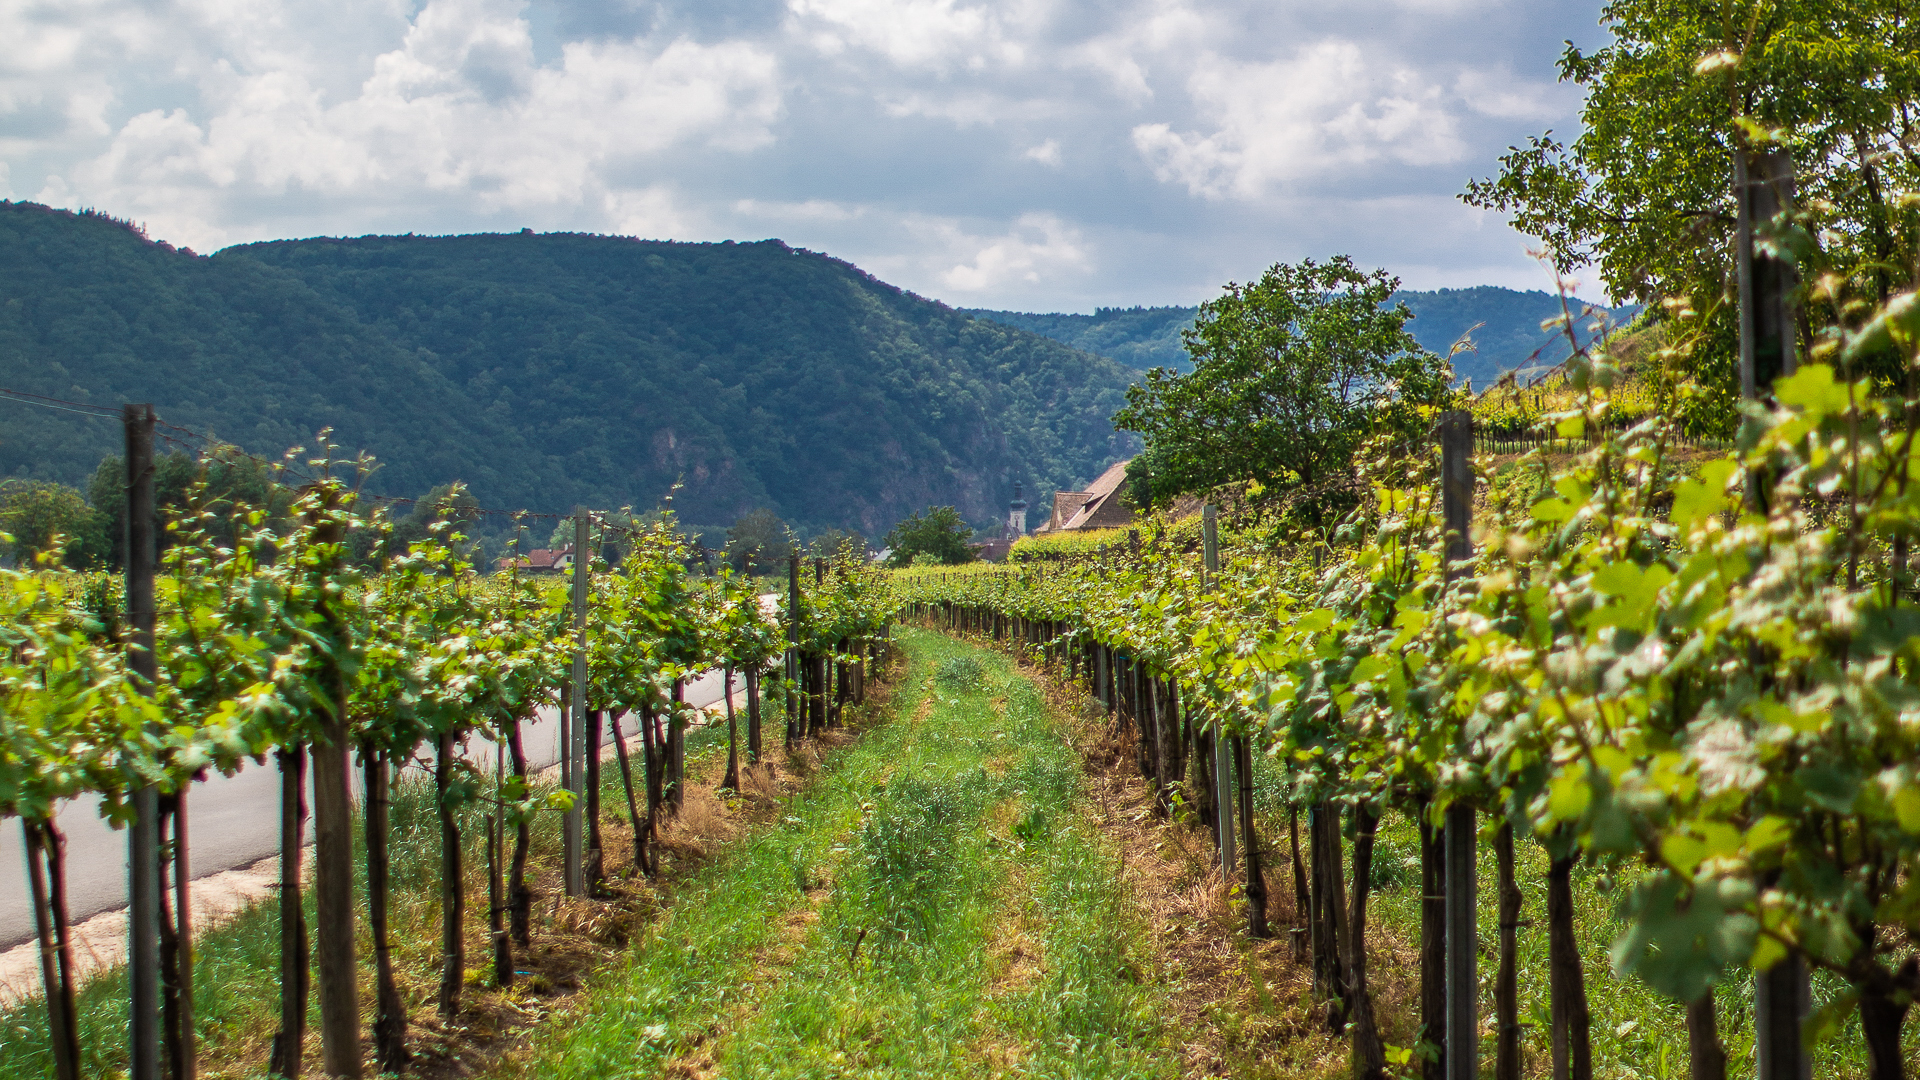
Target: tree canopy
{"x": 1290, "y": 374}
{"x": 1644, "y": 192}
{"x": 757, "y": 540}
{"x": 937, "y": 533}
{"x": 44, "y": 518}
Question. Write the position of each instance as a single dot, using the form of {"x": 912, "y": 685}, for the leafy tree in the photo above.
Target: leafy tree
{"x": 1644, "y": 192}
{"x": 174, "y": 477}
{"x": 756, "y": 540}
{"x": 829, "y": 543}
{"x": 936, "y": 532}
{"x": 36, "y": 513}
{"x": 1290, "y": 374}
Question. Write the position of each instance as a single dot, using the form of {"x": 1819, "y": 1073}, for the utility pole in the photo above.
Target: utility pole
{"x": 1462, "y": 1052}
{"x": 143, "y": 838}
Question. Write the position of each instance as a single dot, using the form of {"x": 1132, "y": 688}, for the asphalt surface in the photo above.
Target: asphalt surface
{"x": 233, "y": 821}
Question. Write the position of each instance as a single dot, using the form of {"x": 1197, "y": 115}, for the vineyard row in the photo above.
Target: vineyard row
{"x": 258, "y": 635}
{"x": 1697, "y": 674}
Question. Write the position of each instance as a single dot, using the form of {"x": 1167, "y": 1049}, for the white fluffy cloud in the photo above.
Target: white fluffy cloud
{"x": 459, "y": 110}
{"x": 1018, "y": 152}
{"x": 1037, "y": 245}
{"x": 1327, "y": 110}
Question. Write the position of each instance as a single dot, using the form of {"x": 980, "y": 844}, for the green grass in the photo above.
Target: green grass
{"x": 933, "y": 905}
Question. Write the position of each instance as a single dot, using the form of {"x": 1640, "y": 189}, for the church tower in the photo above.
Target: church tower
{"x": 1016, "y": 515}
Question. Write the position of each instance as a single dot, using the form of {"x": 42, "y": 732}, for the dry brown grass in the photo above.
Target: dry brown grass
{"x": 1242, "y": 1007}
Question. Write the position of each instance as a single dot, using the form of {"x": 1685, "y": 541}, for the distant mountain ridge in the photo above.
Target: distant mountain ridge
{"x": 550, "y": 370}
{"x": 1509, "y": 334}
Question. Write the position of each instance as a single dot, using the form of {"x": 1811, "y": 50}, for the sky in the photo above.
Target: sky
{"x": 1036, "y": 155}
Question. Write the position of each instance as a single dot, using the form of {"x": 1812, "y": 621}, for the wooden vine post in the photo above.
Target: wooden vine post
{"x": 143, "y": 837}
{"x": 793, "y": 647}
{"x": 573, "y": 724}
{"x": 1222, "y": 760}
{"x": 1462, "y": 1050}
{"x": 333, "y": 935}
{"x": 1763, "y": 189}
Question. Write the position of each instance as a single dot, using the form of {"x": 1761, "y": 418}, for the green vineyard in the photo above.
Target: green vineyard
{"x": 259, "y": 633}
{"x": 1695, "y": 684}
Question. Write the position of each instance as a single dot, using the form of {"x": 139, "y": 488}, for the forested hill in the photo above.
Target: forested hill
{"x": 1150, "y": 337}
{"x": 549, "y": 370}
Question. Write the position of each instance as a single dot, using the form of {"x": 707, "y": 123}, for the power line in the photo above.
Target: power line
{"x": 60, "y": 404}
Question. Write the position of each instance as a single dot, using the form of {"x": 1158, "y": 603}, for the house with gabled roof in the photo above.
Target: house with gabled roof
{"x": 1101, "y": 506}
{"x": 539, "y": 561}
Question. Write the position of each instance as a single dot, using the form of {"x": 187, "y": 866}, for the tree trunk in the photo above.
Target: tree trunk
{"x": 731, "y": 782}
{"x": 1506, "y": 987}
{"x": 677, "y": 750}
{"x": 753, "y": 715}
{"x": 1883, "y": 1009}
{"x": 819, "y": 693}
{"x": 1707, "y": 1058}
{"x": 496, "y": 895}
{"x": 519, "y": 897}
{"x": 333, "y": 894}
{"x": 633, "y": 810}
{"x": 650, "y": 744}
{"x": 596, "y": 862}
{"x": 1203, "y": 782}
{"x": 176, "y": 939}
{"x": 1152, "y": 736}
{"x": 791, "y": 696}
{"x": 1256, "y": 875}
{"x": 860, "y": 678}
{"x": 1166, "y": 725}
{"x": 1333, "y": 910}
{"x": 389, "y": 1016}
{"x": 288, "y": 1041}
{"x": 43, "y": 843}
{"x": 1369, "y": 1054}
{"x": 1566, "y": 981}
{"x": 1302, "y": 930}
{"x": 453, "y": 892}
{"x": 843, "y": 685}
{"x": 1433, "y": 943}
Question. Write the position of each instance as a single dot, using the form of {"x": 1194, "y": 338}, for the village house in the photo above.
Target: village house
{"x": 1098, "y": 507}
{"x": 539, "y": 561}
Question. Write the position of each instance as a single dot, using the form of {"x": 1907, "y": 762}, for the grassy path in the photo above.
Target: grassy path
{"x": 935, "y": 905}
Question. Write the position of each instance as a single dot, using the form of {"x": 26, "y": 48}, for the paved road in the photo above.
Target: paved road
{"x": 234, "y": 821}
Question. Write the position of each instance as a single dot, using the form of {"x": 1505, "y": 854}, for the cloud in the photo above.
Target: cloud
{"x": 1037, "y": 246}
{"x": 937, "y": 33}
{"x": 1503, "y": 95}
{"x": 1047, "y": 153}
{"x": 1053, "y": 153}
{"x": 1327, "y": 109}
{"x": 459, "y": 110}
{"x": 652, "y": 213}
{"x": 810, "y": 210}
